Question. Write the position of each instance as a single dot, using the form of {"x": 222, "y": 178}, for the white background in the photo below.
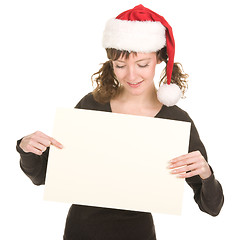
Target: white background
{"x": 48, "y": 51}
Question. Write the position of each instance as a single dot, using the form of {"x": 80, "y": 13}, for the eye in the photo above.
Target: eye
{"x": 143, "y": 66}
{"x": 119, "y": 66}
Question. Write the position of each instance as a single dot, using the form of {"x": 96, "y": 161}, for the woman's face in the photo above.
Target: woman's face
{"x": 136, "y": 73}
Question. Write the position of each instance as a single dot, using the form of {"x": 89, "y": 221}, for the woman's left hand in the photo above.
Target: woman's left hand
{"x": 190, "y": 165}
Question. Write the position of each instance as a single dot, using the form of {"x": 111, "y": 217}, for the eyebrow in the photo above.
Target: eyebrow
{"x": 136, "y": 61}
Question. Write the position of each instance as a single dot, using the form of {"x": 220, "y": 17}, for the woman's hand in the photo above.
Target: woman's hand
{"x": 190, "y": 165}
{"x": 37, "y": 143}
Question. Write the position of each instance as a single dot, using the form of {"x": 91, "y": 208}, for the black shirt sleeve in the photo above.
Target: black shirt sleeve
{"x": 34, "y": 166}
{"x": 208, "y": 193}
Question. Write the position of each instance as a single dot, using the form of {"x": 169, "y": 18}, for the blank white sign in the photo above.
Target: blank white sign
{"x": 116, "y": 161}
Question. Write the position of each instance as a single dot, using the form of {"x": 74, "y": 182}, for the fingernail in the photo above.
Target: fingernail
{"x": 171, "y": 166}
{"x": 179, "y": 176}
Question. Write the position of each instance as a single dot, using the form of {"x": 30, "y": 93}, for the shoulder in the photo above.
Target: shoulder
{"x": 88, "y": 102}
{"x": 174, "y": 113}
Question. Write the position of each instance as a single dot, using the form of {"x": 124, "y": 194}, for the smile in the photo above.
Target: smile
{"x": 135, "y": 85}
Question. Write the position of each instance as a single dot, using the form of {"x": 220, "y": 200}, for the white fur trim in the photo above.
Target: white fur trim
{"x": 169, "y": 95}
{"x": 134, "y": 36}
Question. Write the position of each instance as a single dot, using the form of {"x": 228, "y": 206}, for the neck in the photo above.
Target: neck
{"x": 142, "y": 100}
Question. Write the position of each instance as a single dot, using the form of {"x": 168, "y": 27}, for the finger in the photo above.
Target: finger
{"x": 189, "y": 174}
{"x": 183, "y": 162}
{"x": 56, "y": 143}
{"x": 185, "y": 169}
{"x": 48, "y": 138}
{"x": 185, "y": 156}
{"x": 38, "y": 146}
{"x": 34, "y": 150}
{"x": 44, "y": 141}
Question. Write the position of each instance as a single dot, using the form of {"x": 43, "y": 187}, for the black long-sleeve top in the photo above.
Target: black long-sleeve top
{"x": 95, "y": 223}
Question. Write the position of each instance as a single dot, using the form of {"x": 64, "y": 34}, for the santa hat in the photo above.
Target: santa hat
{"x": 142, "y": 30}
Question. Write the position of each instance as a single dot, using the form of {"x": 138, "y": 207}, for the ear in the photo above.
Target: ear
{"x": 158, "y": 58}
{"x": 158, "y": 61}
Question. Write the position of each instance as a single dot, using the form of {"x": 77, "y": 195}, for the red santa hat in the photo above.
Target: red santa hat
{"x": 142, "y": 30}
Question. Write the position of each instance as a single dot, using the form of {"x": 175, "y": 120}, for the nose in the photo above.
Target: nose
{"x": 131, "y": 74}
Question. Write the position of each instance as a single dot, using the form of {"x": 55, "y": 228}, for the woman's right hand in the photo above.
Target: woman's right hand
{"x": 38, "y": 142}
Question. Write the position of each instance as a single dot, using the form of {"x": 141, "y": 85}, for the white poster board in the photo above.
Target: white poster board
{"x": 116, "y": 160}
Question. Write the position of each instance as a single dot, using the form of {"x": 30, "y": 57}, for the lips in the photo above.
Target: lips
{"x": 135, "y": 85}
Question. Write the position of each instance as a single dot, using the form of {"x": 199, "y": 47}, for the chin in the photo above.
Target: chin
{"x": 136, "y": 92}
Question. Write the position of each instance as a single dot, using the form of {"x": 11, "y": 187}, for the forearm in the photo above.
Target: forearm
{"x": 34, "y": 166}
{"x": 212, "y": 197}
{"x": 208, "y": 194}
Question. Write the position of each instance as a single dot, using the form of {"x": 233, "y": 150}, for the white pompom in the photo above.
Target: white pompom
{"x": 169, "y": 95}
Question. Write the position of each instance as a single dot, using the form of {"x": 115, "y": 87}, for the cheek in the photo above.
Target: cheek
{"x": 149, "y": 73}
{"x": 153, "y": 72}
{"x": 120, "y": 74}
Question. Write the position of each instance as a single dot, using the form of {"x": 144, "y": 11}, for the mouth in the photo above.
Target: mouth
{"x": 135, "y": 85}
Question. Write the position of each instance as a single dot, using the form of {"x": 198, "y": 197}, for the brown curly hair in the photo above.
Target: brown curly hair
{"x": 107, "y": 85}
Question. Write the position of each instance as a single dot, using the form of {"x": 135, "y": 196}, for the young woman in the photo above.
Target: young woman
{"x": 136, "y": 41}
